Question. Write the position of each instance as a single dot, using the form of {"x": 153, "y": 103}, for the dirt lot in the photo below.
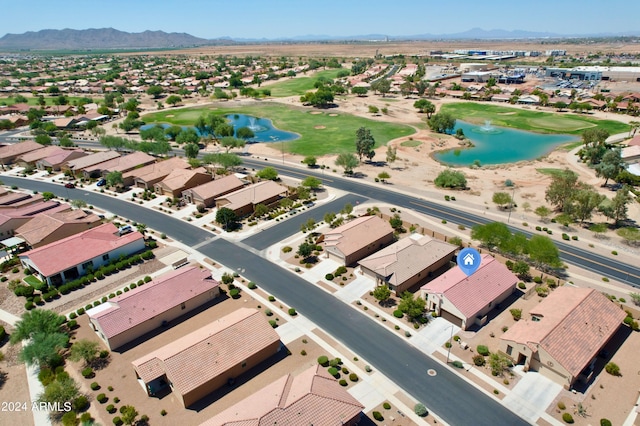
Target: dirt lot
{"x": 13, "y": 386}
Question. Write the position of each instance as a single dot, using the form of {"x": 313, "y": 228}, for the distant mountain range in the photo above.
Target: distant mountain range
{"x": 109, "y": 38}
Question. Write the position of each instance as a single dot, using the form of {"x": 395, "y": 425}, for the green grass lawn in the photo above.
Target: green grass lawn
{"x": 300, "y": 85}
{"x": 535, "y": 121}
{"x": 550, "y": 172}
{"x": 48, "y": 100}
{"x": 321, "y": 133}
{"x": 34, "y": 282}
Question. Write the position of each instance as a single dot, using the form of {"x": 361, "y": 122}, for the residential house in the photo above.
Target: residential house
{"x": 9, "y": 153}
{"x": 78, "y": 165}
{"x": 33, "y": 157}
{"x": 313, "y": 397}
{"x": 46, "y": 228}
{"x": 243, "y": 201}
{"x": 12, "y": 219}
{"x": 631, "y": 154}
{"x": 407, "y": 262}
{"x": 564, "y": 333}
{"x": 146, "y": 308}
{"x": 179, "y": 180}
{"x": 74, "y": 256}
{"x": 208, "y": 192}
{"x": 357, "y": 239}
{"x": 122, "y": 164}
{"x": 466, "y": 300}
{"x": 634, "y": 141}
{"x": 529, "y": 99}
{"x": 147, "y": 176}
{"x": 206, "y": 359}
{"x": 55, "y": 161}
{"x": 17, "y": 200}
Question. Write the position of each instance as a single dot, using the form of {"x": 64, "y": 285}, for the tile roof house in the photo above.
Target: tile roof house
{"x": 9, "y": 153}
{"x": 634, "y": 141}
{"x": 180, "y": 179}
{"x": 564, "y": 334}
{"x": 407, "y": 262}
{"x": 244, "y": 200}
{"x": 71, "y": 257}
{"x": 208, "y": 192}
{"x": 631, "y": 154}
{"x": 466, "y": 300}
{"x": 17, "y": 200}
{"x": 357, "y": 239}
{"x": 146, "y": 308}
{"x": 56, "y": 160}
{"x": 33, "y": 156}
{"x": 147, "y": 176}
{"x": 78, "y": 165}
{"x": 122, "y": 164}
{"x": 14, "y": 219}
{"x": 205, "y": 360}
{"x": 312, "y": 397}
{"x": 47, "y": 227}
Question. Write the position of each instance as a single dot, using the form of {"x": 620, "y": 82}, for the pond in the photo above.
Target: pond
{"x": 500, "y": 145}
{"x": 262, "y": 128}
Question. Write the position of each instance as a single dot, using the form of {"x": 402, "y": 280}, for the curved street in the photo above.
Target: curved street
{"x": 448, "y": 395}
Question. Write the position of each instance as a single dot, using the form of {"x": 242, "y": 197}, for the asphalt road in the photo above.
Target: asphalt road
{"x": 604, "y": 266}
{"x": 446, "y": 394}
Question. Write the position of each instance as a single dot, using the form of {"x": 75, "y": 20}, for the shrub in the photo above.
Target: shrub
{"x": 111, "y": 409}
{"x": 605, "y": 422}
{"x": 565, "y": 237}
{"x": 234, "y": 293}
{"x": 80, "y": 311}
{"x": 86, "y": 418}
{"x": 101, "y": 398}
{"x": 482, "y": 350}
{"x": 386, "y": 406}
{"x": 80, "y": 403}
{"x": 420, "y": 410}
{"x": 110, "y": 388}
{"x": 329, "y": 277}
{"x": 343, "y": 382}
{"x": 479, "y": 360}
{"x": 69, "y": 419}
{"x": 272, "y": 299}
{"x": 95, "y": 386}
{"x": 613, "y": 369}
{"x": 456, "y": 338}
{"x": 45, "y": 376}
{"x": 567, "y": 418}
{"x": 367, "y": 369}
{"x": 292, "y": 312}
{"x": 103, "y": 354}
{"x": 516, "y": 313}
{"x": 87, "y": 372}
{"x": 117, "y": 421}
{"x": 407, "y": 334}
{"x": 333, "y": 371}
{"x": 398, "y": 313}
{"x": 147, "y": 278}
{"x": 252, "y": 285}
{"x": 335, "y": 362}
{"x": 73, "y": 315}
{"x": 286, "y": 249}
{"x": 537, "y": 280}
{"x": 163, "y": 413}
{"x": 273, "y": 323}
{"x": 72, "y": 324}
{"x": 303, "y": 352}
{"x": 447, "y": 345}
{"x": 116, "y": 399}
{"x": 457, "y": 364}
{"x": 561, "y": 405}
{"x": 29, "y": 306}
{"x": 377, "y": 416}
{"x": 353, "y": 377}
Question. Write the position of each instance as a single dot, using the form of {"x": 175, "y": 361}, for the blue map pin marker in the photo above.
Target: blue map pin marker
{"x": 469, "y": 260}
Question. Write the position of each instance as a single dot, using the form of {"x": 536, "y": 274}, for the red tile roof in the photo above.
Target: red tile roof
{"x": 472, "y": 293}
{"x": 313, "y": 397}
{"x": 143, "y": 303}
{"x": 356, "y": 234}
{"x": 208, "y": 352}
{"x": 572, "y": 324}
{"x": 76, "y": 249}
{"x": 18, "y": 148}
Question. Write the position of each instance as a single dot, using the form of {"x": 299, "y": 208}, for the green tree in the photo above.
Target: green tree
{"x": 560, "y": 106}
{"x": 629, "y": 234}
{"x": 226, "y": 217}
{"x": 364, "y": 142}
{"x": 228, "y": 161}
{"x": 37, "y": 321}
{"x": 48, "y": 196}
{"x": 173, "y": 131}
{"x": 425, "y": 106}
{"x": 305, "y": 250}
{"x": 491, "y": 235}
{"x": 499, "y": 363}
{"x": 585, "y": 202}
{"x": 130, "y": 124}
{"x": 268, "y": 173}
{"x": 191, "y": 150}
{"x": 43, "y": 349}
{"x": 310, "y": 161}
{"x": 382, "y": 293}
{"x": 187, "y": 136}
{"x": 224, "y": 130}
{"x": 229, "y": 142}
{"x": 521, "y": 269}
{"x": 610, "y": 165}
{"x": 311, "y": 182}
{"x": 114, "y": 179}
{"x": 598, "y": 229}
{"x": 502, "y": 199}
{"x": 78, "y": 204}
{"x": 155, "y": 91}
{"x": 85, "y": 350}
{"x": 113, "y": 142}
{"x": 174, "y": 100}
{"x": 412, "y": 307}
{"x": 359, "y": 91}
{"x": 383, "y": 176}
{"x": 562, "y": 188}
{"x": 260, "y": 210}
{"x": 442, "y": 122}
{"x": 617, "y": 208}
{"x": 60, "y": 391}
{"x": 245, "y": 133}
{"x": 382, "y": 85}
{"x": 347, "y": 161}
{"x": 392, "y": 154}
{"x": 543, "y": 212}
{"x": 450, "y": 178}
{"x": 128, "y": 414}
{"x": 543, "y": 251}
{"x": 43, "y": 139}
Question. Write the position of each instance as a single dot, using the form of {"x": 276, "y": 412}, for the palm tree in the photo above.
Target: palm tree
{"x": 634, "y": 128}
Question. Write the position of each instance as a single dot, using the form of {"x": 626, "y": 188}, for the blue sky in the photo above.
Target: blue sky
{"x": 286, "y": 18}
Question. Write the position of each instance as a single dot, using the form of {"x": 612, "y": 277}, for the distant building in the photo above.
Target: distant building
{"x": 357, "y": 239}
{"x": 9, "y": 153}
{"x": 147, "y": 176}
{"x": 208, "y": 192}
{"x": 181, "y": 179}
{"x": 244, "y": 200}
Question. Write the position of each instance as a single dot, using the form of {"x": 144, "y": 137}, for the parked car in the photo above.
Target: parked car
{"x": 102, "y": 182}
{"x": 69, "y": 185}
